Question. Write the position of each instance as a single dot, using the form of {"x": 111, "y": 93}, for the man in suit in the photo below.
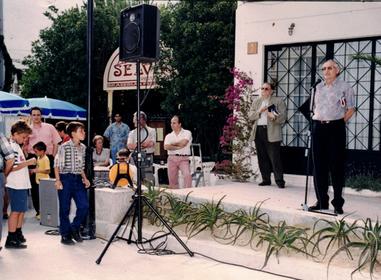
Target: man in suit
{"x": 269, "y": 113}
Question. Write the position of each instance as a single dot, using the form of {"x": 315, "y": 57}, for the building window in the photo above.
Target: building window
{"x": 294, "y": 68}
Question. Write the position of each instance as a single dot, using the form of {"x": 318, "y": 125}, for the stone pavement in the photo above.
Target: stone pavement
{"x": 46, "y": 258}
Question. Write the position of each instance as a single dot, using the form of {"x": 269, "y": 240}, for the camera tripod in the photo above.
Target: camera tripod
{"x": 136, "y": 208}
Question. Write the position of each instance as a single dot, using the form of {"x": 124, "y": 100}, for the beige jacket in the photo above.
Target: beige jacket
{"x": 274, "y": 127}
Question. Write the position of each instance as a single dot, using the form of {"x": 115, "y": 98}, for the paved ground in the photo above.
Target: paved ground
{"x": 46, "y": 258}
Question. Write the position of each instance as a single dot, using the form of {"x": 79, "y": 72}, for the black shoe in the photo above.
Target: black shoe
{"x": 264, "y": 183}
{"x": 66, "y": 240}
{"x": 281, "y": 185}
{"x": 318, "y": 207}
{"x": 76, "y": 236}
{"x": 14, "y": 244}
{"x": 339, "y": 210}
{"x": 20, "y": 236}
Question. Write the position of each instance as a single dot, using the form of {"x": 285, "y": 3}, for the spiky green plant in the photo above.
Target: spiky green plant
{"x": 179, "y": 210}
{"x": 283, "y": 237}
{"x": 204, "y": 217}
{"x": 239, "y": 222}
{"x": 369, "y": 245}
{"x": 337, "y": 232}
{"x": 154, "y": 197}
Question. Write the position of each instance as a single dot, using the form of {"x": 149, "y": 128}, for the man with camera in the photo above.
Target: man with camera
{"x": 268, "y": 113}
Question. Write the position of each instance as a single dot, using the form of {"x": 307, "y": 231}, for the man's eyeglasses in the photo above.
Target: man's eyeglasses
{"x": 327, "y": 68}
{"x": 36, "y": 115}
{"x": 265, "y": 88}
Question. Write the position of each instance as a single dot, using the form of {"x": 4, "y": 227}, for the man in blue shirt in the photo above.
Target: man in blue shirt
{"x": 117, "y": 134}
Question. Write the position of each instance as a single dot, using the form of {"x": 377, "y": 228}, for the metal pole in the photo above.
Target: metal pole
{"x": 139, "y": 163}
{"x": 91, "y": 193}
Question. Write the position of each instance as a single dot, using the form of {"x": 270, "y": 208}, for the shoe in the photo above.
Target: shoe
{"x": 318, "y": 207}
{"x": 14, "y": 244}
{"x": 281, "y": 185}
{"x": 66, "y": 240}
{"x": 20, "y": 237}
{"x": 264, "y": 183}
{"x": 76, "y": 236}
{"x": 5, "y": 216}
{"x": 38, "y": 217}
{"x": 339, "y": 210}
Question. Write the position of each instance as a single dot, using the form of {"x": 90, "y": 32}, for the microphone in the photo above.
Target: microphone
{"x": 318, "y": 81}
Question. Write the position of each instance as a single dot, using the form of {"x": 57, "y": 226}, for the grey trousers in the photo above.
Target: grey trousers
{"x": 268, "y": 156}
{"x": 2, "y": 191}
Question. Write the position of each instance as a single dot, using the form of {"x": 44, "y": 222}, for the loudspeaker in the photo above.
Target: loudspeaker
{"x": 139, "y": 34}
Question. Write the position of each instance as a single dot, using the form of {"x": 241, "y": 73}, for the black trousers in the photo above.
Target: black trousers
{"x": 328, "y": 155}
{"x": 268, "y": 156}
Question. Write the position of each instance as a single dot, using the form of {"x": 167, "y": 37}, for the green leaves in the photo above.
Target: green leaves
{"x": 369, "y": 245}
{"x": 283, "y": 237}
{"x": 198, "y": 50}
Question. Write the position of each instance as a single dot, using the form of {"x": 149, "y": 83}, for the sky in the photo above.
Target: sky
{"x": 23, "y": 20}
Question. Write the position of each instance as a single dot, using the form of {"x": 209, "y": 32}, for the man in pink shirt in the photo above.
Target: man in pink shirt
{"x": 46, "y": 133}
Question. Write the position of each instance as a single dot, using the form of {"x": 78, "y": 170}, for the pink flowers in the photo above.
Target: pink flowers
{"x": 232, "y": 100}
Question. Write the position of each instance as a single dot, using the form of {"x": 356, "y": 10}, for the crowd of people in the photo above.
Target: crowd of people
{"x": 40, "y": 150}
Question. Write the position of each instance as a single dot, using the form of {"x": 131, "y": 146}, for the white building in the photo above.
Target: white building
{"x": 286, "y": 43}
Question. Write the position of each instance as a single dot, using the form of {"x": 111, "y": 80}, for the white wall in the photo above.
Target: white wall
{"x": 267, "y": 23}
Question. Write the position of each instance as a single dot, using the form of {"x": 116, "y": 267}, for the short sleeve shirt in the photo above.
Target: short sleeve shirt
{"x": 70, "y": 158}
{"x": 46, "y": 133}
{"x": 42, "y": 164}
{"x": 18, "y": 179}
{"x": 6, "y": 151}
{"x": 331, "y": 102}
{"x": 174, "y": 138}
{"x": 117, "y": 134}
{"x": 132, "y": 138}
{"x": 99, "y": 159}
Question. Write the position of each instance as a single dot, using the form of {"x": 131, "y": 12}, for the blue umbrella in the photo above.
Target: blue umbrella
{"x": 58, "y": 109}
{"x": 12, "y": 103}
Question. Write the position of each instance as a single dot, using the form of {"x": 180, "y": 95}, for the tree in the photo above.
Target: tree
{"x": 197, "y": 53}
{"x": 57, "y": 67}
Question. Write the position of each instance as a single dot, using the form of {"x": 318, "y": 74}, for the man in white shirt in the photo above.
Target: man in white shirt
{"x": 177, "y": 143}
{"x": 148, "y": 141}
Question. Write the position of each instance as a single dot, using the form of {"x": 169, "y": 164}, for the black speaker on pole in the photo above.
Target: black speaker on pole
{"x": 139, "y": 34}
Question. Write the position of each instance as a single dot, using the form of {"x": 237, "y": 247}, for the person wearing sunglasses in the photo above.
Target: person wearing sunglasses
{"x": 334, "y": 105}
{"x": 268, "y": 113}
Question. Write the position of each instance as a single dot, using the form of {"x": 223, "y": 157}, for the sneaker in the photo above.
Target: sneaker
{"x": 38, "y": 217}
{"x": 14, "y": 244}
{"x": 76, "y": 236}
{"x": 66, "y": 240}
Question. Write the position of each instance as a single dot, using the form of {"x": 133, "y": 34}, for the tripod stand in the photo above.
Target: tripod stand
{"x": 136, "y": 208}
{"x": 307, "y": 110}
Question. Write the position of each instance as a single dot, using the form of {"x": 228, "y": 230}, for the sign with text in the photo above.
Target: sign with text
{"x": 121, "y": 75}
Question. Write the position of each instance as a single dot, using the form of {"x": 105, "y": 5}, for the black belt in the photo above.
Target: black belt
{"x": 178, "y": 155}
{"x": 262, "y": 126}
{"x": 329, "y": 122}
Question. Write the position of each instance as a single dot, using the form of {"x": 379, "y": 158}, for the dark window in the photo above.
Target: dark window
{"x": 294, "y": 68}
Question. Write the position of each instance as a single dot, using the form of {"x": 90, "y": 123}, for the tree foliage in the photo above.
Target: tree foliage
{"x": 57, "y": 67}
{"x": 196, "y": 55}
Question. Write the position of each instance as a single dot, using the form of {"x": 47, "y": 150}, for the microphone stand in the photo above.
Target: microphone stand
{"x": 308, "y": 150}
